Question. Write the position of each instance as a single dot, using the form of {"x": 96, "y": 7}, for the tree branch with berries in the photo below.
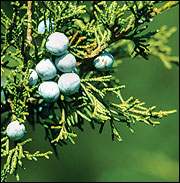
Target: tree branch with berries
{"x": 60, "y": 57}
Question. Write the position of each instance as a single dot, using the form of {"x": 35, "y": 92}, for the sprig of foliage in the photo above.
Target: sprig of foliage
{"x": 93, "y": 106}
{"x": 160, "y": 48}
{"x": 19, "y": 90}
{"x": 15, "y": 157}
{"x": 157, "y": 46}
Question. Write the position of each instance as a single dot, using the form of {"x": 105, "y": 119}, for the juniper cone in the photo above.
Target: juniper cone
{"x": 42, "y": 26}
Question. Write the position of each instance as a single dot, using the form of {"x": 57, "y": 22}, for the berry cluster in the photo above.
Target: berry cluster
{"x": 68, "y": 80}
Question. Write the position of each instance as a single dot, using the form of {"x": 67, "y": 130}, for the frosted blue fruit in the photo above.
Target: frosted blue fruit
{"x": 33, "y": 78}
{"x": 66, "y": 62}
{"x": 15, "y": 130}
{"x": 41, "y": 26}
{"x": 46, "y": 69}
{"x": 49, "y": 90}
{"x": 69, "y": 83}
{"x": 104, "y": 61}
{"x": 57, "y": 43}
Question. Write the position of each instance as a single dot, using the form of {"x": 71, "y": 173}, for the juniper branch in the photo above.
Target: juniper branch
{"x": 90, "y": 104}
{"x": 128, "y": 30}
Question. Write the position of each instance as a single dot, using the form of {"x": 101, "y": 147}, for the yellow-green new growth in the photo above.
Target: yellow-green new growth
{"x": 15, "y": 157}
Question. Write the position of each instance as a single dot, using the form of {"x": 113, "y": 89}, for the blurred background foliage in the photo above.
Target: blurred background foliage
{"x": 149, "y": 155}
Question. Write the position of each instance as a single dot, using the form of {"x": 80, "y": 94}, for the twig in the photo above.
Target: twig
{"x": 167, "y": 6}
{"x": 29, "y": 31}
{"x": 29, "y": 25}
{"x": 96, "y": 52}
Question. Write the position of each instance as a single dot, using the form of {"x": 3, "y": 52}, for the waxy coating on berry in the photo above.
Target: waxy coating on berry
{"x": 41, "y": 26}
{"x": 104, "y": 61}
{"x": 46, "y": 69}
{"x": 57, "y": 43}
{"x": 66, "y": 62}
{"x": 49, "y": 90}
{"x": 15, "y": 130}
{"x": 69, "y": 83}
{"x": 33, "y": 78}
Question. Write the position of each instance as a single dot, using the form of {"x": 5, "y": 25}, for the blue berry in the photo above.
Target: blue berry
{"x": 46, "y": 69}
{"x": 15, "y": 130}
{"x": 104, "y": 61}
{"x": 66, "y": 62}
{"x": 33, "y": 78}
{"x": 69, "y": 83}
{"x": 57, "y": 43}
{"x": 49, "y": 90}
{"x": 41, "y": 26}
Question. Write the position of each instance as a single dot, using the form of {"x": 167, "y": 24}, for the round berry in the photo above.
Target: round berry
{"x": 69, "y": 83}
{"x": 49, "y": 90}
{"x": 33, "y": 78}
{"x": 57, "y": 43}
{"x": 66, "y": 62}
{"x": 46, "y": 69}
{"x": 15, "y": 130}
{"x": 41, "y": 26}
{"x": 104, "y": 61}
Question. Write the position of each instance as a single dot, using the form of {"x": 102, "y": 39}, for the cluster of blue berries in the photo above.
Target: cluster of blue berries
{"x": 69, "y": 82}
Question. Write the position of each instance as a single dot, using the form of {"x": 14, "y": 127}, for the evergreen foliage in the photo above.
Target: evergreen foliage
{"x": 119, "y": 27}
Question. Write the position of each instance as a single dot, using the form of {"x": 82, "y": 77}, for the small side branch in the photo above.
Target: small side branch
{"x": 167, "y": 6}
{"x": 122, "y": 35}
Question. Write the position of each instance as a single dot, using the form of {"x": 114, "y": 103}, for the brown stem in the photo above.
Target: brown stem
{"x": 29, "y": 31}
{"x": 29, "y": 25}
